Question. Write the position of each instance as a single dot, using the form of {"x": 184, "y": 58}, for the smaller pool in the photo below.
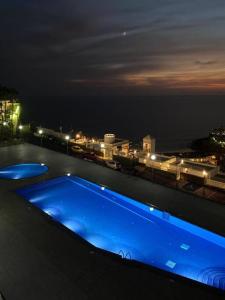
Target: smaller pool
{"x": 21, "y": 171}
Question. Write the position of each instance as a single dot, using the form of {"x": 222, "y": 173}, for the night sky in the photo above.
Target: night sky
{"x": 144, "y": 47}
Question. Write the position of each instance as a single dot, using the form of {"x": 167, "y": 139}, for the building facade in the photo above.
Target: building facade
{"x": 113, "y": 146}
{"x": 10, "y": 111}
{"x": 149, "y": 144}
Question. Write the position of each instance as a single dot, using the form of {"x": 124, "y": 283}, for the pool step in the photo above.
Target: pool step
{"x": 214, "y": 276}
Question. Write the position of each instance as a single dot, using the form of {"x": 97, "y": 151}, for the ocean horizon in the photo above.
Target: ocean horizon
{"x": 170, "y": 119}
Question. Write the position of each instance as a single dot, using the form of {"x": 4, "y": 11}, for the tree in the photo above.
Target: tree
{"x": 7, "y": 93}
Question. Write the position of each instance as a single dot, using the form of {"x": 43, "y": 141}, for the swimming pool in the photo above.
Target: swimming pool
{"x": 21, "y": 171}
{"x": 118, "y": 224}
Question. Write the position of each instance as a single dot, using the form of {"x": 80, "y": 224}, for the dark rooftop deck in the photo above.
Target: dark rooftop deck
{"x": 219, "y": 177}
{"x": 197, "y": 166}
{"x": 40, "y": 259}
{"x": 161, "y": 158}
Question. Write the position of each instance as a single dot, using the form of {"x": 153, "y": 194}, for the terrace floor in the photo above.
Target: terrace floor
{"x": 219, "y": 177}
{"x": 40, "y": 259}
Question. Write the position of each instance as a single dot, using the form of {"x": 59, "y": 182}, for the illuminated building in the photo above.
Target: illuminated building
{"x": 149, "y": 144}
{"x": 186, "y": 169}
{"x": 10, "y": 114}
{"x": 113, "y": 146}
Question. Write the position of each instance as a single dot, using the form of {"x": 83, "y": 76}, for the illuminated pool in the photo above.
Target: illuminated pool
{"x": 118, "y": 224}
{"x": 21, "y": 171}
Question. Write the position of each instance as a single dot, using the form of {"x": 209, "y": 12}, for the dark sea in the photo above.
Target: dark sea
{"x": 173, "y": 120}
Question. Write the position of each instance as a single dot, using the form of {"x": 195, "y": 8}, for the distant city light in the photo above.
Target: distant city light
{"x": 42, "y": 164}
{"x": 77, "y": 136}
{"x": 40, "y": 131}
{"x": 20, "y": 127}
{"x": 67, "y": 137}
{"x": 102, "y": 188}
{"x": 148, "y": 155}
{"x": 151, "y": 208}
{"x": 4, "y": 123}
{"x": 68, "y": 174}
{"x": 102, "y": 145}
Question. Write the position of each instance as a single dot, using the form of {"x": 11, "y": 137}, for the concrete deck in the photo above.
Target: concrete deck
{"x": 40, "y": 259}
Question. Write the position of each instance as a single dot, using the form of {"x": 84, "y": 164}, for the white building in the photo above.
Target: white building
{"x": 113, "y": 146}
{"x": 156, "y": 161}
{"x": 210, "y": 174}
{"x": 149, "y": 144}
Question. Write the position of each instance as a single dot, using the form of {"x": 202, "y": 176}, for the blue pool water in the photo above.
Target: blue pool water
{"x": 118, "y": 224}
{"x": 21, "y": 171}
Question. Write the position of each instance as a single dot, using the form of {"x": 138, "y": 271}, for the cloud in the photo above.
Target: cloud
{"x": 80, "y": 43}
{"x": 205, "y": 63}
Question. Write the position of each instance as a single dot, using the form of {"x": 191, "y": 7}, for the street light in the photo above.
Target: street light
{"x": 40, "y": 132}
{"x": 205, "y": 174}
{"x": 67, "y": 138}
{"x": 20, "y": 127}
{"x": 3, "y": 129}
{"x": 178, "y": 171}
{"x": 153, "y": 158}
